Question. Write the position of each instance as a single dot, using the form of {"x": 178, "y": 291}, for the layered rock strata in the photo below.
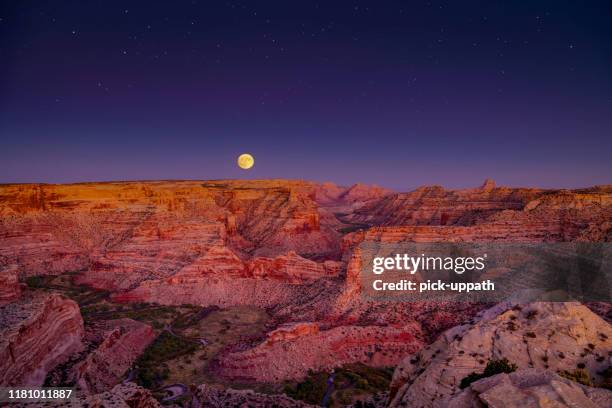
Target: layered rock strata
{"x": 123, "y": 341}
{"x": 207, "y": 396}
{"x": 290, "y": 352}
{"x": 558, "y": 337}
{"x": 530, "y": 388}
{"x": 37, "y": 333}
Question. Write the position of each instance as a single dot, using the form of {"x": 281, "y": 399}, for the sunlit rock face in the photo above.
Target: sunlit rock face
{"x": 555, "y": 337}
{"x": 37, "y": 333}
{"x": 152, "y": 230}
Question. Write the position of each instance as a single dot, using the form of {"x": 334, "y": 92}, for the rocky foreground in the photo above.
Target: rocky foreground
{"x": 291, "y": 248}
{"x": 554, "y": 337}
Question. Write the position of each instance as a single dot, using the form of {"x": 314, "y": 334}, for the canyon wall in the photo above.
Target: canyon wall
{"x": 290, "y": 247}
{"x": 38, "y": 332}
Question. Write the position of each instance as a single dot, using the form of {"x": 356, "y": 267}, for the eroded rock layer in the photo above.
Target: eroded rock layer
{"x": 207, "y": 396}
{"x": 289, "y": 352}
{"x": 530, "y": 388}
{"x": 37, "y": 333}
{"x": 10, "y": 289}
{"x": 293, "y": 249}
{"x": 124, "y": 340}
{"x": 558, "y": 337}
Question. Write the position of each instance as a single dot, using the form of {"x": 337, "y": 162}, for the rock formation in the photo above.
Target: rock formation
{"x": 289, "y": 353}
{"x": 37, "y": 333}
{"x": 294, "y": 249}
{"x": 529, "y": 388}
{"x": 558, "y": 337}
{"x": 124, "y": 340}
{"x": 211, "y": 397}
{"x": 127, "y": 395}
{"x": 10, "y": 289}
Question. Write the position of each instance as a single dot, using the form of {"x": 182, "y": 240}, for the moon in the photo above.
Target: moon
{"x": 245, "y": 161}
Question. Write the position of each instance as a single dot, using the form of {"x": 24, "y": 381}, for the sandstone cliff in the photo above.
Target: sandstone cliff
{"x": 207, "y": 396}
{"x": 127, "y": 395}
{"x": 37, "y": 333}
{"x": 289, "y": 353}
{"x": 276, "y": 244}
{"x": 107, "y": 365}
{"x": 10, "y": 289}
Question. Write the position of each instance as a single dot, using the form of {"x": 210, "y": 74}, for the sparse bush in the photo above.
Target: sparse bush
{"x": 151, "y": 368}
{"x": 493, "y": 367}
{"x": 579, "y": 375}
{"x": 35, "y": 281}
{"x": 607, "y": 378}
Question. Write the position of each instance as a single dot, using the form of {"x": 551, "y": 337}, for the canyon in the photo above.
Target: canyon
{"x": 93, "y": 275}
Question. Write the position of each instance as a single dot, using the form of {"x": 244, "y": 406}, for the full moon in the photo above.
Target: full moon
{"x": 245, "y": 161}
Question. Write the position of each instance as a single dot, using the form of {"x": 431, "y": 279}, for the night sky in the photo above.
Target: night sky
{"x": 399, "y": 94}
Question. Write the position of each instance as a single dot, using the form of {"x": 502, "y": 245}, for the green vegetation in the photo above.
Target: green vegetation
{"x": 607, "y": 378}
{"x": 65, "y": 284}
{"x": 193, "y": 315}
{"x": 155, "y": 315}
{"x": 38, "y": 282}
{"x": 579, "y": 375}
{"x": 493, "y": 367}
{"x": 353, "y": 228}
{"x": 350, "y": 381}
{"x": 152, "y": 367}
{"x": 311, "y": 390}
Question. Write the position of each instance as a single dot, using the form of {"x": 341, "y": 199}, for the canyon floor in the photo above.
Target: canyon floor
{"x": 247, "y": 293}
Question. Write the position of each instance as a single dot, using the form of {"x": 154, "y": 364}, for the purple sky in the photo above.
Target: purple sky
{"x": 376, "y": 92}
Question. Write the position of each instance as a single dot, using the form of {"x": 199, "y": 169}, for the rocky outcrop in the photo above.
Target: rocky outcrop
{"x": 158, "y": 248}
{"x": 557, "y": 337}
{"x": 37, "y": 333}
{"x": 124, "y": 233}
{"x": 360, "y": 193}
{"x": 208, "y": 396}
{"x": 10, "y": 289}
{"x": 433, "y": 205}
{"x": 529, "y": 388}
{"x": 291, "y": 268}
{"x": 127, "y": 395}
{"x": 291, "y": 352}
{"x": 124, "y": 340}
{"x": 291, "y": 331}
{"x": 221, "y": 278}
{"x": 285, "y": 246}
{"x": 218, "y": 291}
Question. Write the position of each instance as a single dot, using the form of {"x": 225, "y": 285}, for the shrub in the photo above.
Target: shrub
{"x": 493, "y": 367}
{"x": 607, "y": 381}
{"x": 311, "y": 390}
{"x": 579, "y": 375}
{"x": 35, "y": 281}
{"x": 151, "y": 369}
